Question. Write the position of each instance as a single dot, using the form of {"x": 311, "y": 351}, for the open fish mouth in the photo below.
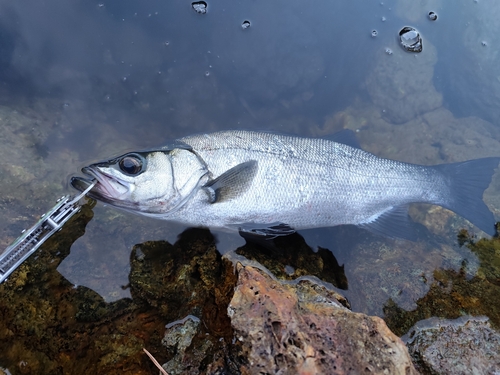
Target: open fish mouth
{"x": 107, "y": 188}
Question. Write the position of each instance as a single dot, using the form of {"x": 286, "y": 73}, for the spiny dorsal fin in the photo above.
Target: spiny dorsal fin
{"x": 231, "y": 183}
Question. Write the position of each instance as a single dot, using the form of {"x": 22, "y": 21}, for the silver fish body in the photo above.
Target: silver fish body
{"x": 273, "y": 184}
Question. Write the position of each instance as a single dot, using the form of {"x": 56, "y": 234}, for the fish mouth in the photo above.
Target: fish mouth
{"x": 106, "y": 189}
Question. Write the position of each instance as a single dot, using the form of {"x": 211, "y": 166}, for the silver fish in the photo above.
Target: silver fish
{"x": 271, "y": 185}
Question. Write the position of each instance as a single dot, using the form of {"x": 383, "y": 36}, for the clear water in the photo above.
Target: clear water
{"x": 82, "y": 81}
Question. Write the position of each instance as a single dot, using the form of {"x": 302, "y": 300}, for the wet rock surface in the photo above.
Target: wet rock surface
{"x": 50, "y": 326}
{"x": 186, "y": 311}
{"x": 303, "y": 329}
{"x": 188, "y": 280}
{"x": 467, "y": 345}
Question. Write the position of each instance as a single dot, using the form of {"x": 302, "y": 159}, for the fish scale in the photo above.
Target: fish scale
{"x": 298, "y": 183}
{"x": 341, "y": 182}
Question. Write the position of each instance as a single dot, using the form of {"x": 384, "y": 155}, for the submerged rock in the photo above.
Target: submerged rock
{"x": 470, "y": 84}
{"x": 401, "y": 84}
{"x": 455, "y": 293}
{"x": 467, "y": 345}
{"x": 216, "y": 321}
{"x": 304, "y": 329}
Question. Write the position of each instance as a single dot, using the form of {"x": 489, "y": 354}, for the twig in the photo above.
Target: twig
{"x": 162, "y": 370}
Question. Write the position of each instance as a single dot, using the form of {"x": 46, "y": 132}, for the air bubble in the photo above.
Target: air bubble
{"x": 433, "y": 16}
{"x": 384, "y": 19}
{"x": 410, "y": 39}
{"x": 245, "y": 24}
{"x": 388, "y": 51}
{"x": 207, "y": 73}
{"x": 166, "y": 43}
{"x": 200, "y": 7}
{"x": 484, "y": 43}
{"x": 374, "y": 33}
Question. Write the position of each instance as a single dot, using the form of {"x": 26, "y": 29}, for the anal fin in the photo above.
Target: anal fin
{"x": 394, "y": 223}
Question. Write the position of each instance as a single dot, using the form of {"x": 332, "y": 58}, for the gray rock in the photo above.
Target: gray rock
{"x": 467, "y": 345}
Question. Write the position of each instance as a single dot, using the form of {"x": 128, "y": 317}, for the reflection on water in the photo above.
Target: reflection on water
{"x": 80, "y": 82}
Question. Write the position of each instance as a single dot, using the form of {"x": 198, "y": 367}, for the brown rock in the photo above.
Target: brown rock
{"x": 303, "y": 329}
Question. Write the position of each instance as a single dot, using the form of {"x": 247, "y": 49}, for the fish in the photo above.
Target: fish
{"x": 269, "y": 185}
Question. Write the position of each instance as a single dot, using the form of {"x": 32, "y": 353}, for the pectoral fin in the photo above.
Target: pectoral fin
{"x": 231, "y": 183}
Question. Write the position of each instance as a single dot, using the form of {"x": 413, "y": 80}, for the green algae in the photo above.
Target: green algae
{"x": 453, "y": 293}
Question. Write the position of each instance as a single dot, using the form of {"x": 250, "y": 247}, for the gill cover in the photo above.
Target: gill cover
{"x": 152, "y": 182}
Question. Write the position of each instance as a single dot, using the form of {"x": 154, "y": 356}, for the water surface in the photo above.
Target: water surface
{"x": 83, "y": 81}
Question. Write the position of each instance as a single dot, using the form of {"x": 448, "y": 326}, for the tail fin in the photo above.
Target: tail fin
{"x": 468, "y": 181}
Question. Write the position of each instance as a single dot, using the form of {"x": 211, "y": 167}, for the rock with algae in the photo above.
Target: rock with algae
{"x": 453, "y": 294}
{"x": 49, "y": 326}
{"x": 293, "y": 326}
{"x": 188, "y": 280}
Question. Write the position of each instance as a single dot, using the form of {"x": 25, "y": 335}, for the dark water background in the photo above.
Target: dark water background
{"x": 83, "y": 80}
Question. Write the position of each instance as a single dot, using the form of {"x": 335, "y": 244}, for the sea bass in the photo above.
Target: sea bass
{"x": 270, "y": 185}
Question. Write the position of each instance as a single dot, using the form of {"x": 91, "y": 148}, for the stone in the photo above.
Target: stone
{"x": 467, "y": 345}
{"x": 302, "y": 328}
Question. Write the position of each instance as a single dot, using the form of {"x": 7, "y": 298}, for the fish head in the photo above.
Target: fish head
{"x": 151, "y": 182}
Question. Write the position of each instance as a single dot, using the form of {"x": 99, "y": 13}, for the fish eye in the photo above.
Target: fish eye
{"x": 131, "y": 164}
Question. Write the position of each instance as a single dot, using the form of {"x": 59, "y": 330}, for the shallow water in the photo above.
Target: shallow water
{"x": 82, "y": 82}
